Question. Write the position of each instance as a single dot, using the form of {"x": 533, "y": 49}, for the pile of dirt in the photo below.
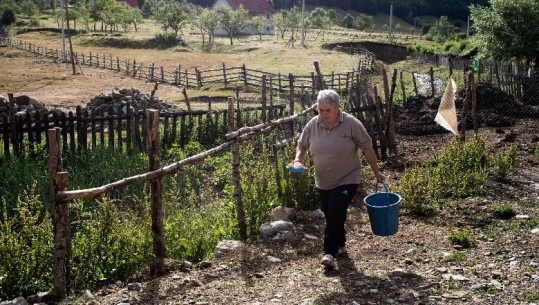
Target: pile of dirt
{"x": 495, "y": 108}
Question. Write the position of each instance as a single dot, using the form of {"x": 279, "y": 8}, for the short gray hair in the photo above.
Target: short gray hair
{"x": 328, "y": 96}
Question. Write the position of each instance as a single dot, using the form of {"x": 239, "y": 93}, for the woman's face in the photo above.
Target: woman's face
{"x": 328, "y": 113}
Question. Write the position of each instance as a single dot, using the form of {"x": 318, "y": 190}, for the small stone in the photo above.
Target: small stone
{"x": 411, "y": 251}
{"x": 258, "y": 275}
{"x": 497, "y": 274}
{"x": 311, "y": 237}
{"x": 455, "y": 295}
{"x": 205, "y": 265}
{"x": 497, "y": 285}
{"x": 273, "y": 259}
{"x": 134, "y": 287}
{"x": 407, "y": 297}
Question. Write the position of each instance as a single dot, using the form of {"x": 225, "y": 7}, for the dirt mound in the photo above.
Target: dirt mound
{"x": 495, "y": 108}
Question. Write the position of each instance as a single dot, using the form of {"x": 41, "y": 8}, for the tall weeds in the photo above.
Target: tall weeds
{"x": 458, "y": 171}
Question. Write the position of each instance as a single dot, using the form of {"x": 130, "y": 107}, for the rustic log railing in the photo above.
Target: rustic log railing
{"x": 61, "y": 197}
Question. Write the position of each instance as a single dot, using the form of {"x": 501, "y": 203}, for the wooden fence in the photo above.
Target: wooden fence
{"x": 122, "y": 128}
{"x": 512, "y": 78}
{"x": 178, "y": 76}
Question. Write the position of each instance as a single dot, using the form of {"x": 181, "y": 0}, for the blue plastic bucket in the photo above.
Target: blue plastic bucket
{"x": 383, "y": 209}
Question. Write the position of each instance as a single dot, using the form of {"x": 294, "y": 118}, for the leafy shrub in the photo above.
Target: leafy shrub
{"x": 26, "y": 242}
{"x": 108, "y": 245}
{"x": 505, "y": 211}
{"x": 463, "y": 238}
{"x": 458, "y": 171}
{"x": 503, "y": 162}
{"x": 420, "y": 194}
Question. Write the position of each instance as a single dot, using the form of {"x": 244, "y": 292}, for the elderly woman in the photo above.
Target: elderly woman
{"x": 333, "y": 138}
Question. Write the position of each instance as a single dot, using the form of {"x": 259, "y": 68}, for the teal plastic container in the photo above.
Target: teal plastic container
{"x": 383, "y": 209}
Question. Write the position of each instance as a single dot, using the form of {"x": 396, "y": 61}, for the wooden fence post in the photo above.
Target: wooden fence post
{"x": 244, "y": 72}
{"x": 472, "y": 84}
{"x": 263, "y": 93}
{"x": 158, "y": 228}
{"x": 415, "y": 84}
{"x": 320, "y": 77}
{"x": 464, "y": 110}
{"x": 390, "y": 132}
{"x": 60, "y": 218}
{"x": 240, "y": 211}
{"x": 431, "y": 72}
{"x": 12, "y": 125}
{"x": 224, "y": 74}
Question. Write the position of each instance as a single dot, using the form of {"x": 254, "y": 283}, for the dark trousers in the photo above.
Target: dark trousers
{"x": 335, "y": 204}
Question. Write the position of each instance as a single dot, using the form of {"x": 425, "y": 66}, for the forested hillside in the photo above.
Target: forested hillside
{"x": 456, "y": 9}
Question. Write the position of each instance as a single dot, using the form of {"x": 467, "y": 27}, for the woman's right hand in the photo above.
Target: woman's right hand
{"x": 295, "y": 164}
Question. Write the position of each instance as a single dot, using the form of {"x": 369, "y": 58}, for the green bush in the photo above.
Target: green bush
{"x": 505, "y": 211}
{"x": 503, "y": 162}
{"x": 458, "y": 171}
{"x": 26, "y": 243}
{"x": 463, "y": 238}
{"x": 109, "y": 244}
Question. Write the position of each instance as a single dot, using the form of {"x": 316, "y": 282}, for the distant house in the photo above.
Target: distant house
{"x": 255, "y": 8}
{"x": 131, "y": 3}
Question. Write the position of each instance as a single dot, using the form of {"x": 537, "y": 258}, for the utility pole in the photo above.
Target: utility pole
{"x": 468, "y": 28}
{"x": 63, "y": 32}
{"x": 303, "y": 24}
{"x": 390, "y": 35}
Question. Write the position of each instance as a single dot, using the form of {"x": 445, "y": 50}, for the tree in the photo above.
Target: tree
{"x": 136, "y": 17}
{"x": 231, "y": 21}
{"x": 206, "y": 22}
{"x": 7, "y": 18}
{"x": 348, "y": 21}
{"x": 259, "y": 24}
{"x": 508, "y": 30}
{"x": 363, "y": 21}
{"x": 171, "y": 15}
{"x": 442, "y": 29}
{"x": 280, "y": 21}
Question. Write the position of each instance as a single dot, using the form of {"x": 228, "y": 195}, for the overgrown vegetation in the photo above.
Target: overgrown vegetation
{"x": 458, "y": 171}
{"x": 111, "y": 238}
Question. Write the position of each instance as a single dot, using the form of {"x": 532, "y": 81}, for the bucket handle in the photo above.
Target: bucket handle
{"x": 384, "y": 184}
{"x": 385, "y": 188}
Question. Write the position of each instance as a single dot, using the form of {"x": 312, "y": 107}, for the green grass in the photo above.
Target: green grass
{"x": 463, "y": 238}
{"x": 505, "y": 211}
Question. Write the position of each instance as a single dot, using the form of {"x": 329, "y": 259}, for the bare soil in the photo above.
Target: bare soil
{"x": 418, "y": 265}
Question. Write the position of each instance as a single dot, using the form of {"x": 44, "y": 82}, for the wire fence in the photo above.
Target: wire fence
{"x": 504, "y": 92}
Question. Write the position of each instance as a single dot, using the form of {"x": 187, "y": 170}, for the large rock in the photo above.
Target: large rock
{"x": 270, "y": 229}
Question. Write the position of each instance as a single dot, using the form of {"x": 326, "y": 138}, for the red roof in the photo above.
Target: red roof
{"x": 252, "y": 6}
{"x": 132, "y": 3}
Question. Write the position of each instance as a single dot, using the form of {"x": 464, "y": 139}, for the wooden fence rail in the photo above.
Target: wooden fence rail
{"x": 61, "y": 197}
